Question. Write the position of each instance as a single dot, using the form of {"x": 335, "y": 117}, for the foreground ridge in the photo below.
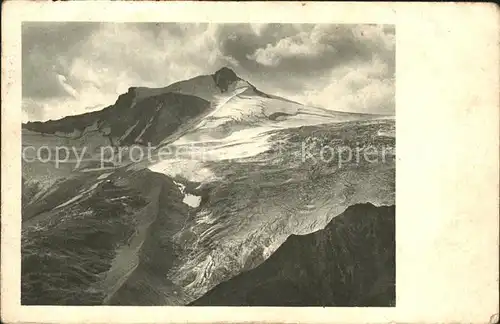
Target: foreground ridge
{"x": 349, "y": 263}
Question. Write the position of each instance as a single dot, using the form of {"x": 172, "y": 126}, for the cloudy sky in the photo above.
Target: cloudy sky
{"x": 76, "y": 67}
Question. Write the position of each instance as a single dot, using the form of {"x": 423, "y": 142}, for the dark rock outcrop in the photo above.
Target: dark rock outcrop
{"x": 127, "y": 122}
{"x": 224, "y": 77}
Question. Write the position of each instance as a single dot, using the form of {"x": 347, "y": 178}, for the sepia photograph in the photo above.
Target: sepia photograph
{"x": 208, "y": 162}
{"x": 177, "y": 164}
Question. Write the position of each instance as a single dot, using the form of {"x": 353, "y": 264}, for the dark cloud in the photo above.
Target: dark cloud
{"x": 47, "y": 48}
{"x": 332, "y": 46}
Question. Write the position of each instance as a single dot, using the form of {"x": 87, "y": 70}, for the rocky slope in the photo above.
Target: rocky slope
{"x": 127, "y": 122}
{"x": 349, "y": 263}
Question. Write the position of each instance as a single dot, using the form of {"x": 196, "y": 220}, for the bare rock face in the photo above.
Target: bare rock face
{"x": 129, "y": 122}
{"x": 224, "y": 77}
{"x": 349, "y": 263}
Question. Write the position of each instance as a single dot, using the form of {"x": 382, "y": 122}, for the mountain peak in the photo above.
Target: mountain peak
{"x": 224, "y": 77}
{"x": 225, "y": 70}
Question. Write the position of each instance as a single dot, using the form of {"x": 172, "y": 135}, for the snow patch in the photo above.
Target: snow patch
{"x": 104, "y": 176}
{"x": 191, "y": 170}
{"x": 189, "y": 199}
{"x": 118, "y": 198}
{"x": 145, "y": 128}
{"x": 192, "y": 200}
